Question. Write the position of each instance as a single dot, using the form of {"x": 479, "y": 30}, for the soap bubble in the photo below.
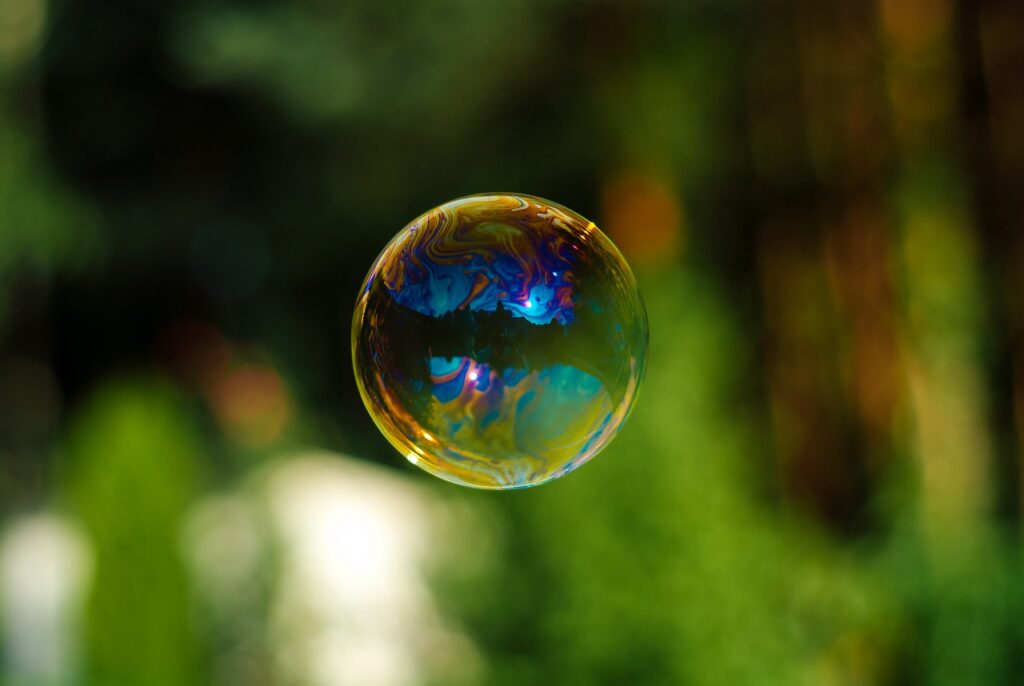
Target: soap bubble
{"x": 499, "y": 341}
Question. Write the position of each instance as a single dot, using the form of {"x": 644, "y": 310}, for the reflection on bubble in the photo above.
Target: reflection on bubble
{"x": 499, "y": 341}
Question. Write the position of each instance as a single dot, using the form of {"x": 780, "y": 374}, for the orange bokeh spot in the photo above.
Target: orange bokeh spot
{"x": 251, "y": 404}
{"x": 643, "y": 216}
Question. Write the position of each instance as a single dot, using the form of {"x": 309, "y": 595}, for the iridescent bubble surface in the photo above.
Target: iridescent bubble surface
{"x": 499, "y": 341}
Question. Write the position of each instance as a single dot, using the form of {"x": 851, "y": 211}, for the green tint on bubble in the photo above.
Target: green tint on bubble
{"x": 499, "y": 341}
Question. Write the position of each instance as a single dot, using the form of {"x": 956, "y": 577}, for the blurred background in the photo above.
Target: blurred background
{"x": 821, "y": 483}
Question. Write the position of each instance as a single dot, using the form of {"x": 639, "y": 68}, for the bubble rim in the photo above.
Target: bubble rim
{"x": 412, "y": 450}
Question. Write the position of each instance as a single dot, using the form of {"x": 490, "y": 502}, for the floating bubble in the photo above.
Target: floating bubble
{"x": 499, "y": 341}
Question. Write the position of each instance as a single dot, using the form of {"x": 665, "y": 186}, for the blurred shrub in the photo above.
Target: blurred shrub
{"x": 132, "y": 466}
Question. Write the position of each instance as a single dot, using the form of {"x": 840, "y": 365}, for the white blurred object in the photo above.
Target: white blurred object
{"x": 350, "y": 604}
{"x": 44, "y": 570}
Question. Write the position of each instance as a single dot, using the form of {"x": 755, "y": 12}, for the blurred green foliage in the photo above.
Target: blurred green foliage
{"x": 661, "y": 566}
{"x": 130, "y": 472}
{"x": 44, "y": 227}
{"x": 820, "y": 483}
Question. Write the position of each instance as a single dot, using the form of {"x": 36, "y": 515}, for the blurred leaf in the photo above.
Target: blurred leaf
{"x": 377, "y": 62}
{"x": 43, "y": 225}
{"x": 133, "y": 463}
